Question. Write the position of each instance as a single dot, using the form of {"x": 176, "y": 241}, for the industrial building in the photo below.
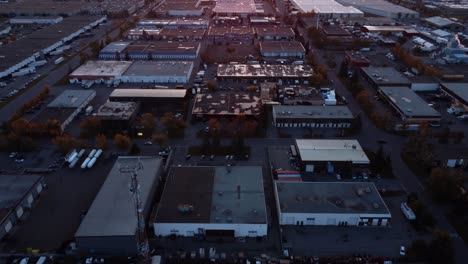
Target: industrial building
{"x": 68, "y": 105}
{"x": 34, "y": 46}
{"x": 410, "y": 107}
{"x": 182, "y": 34}
{"x": 312, "y": 116}
{"x": 282, "y": 49}
{"x": 230, "y": 34}
{"x": 268, "y": 33}
{"x": 256, "y": 73}
{"x": 152, "y": 99}
{"x": 212, "y": 203}
{"x": 178, "y": 8}
{"x": 330, "y": 204}
{"x": 241, "y": 8}
{"x": 40, "y": 20}
{"x": 328, "y": 156}
{"x": 458, "y": 92}
{"x": 327, "y": 8}
{"x": 226, "y": 105}
{"x": 110, "y": 225}
{"x": 302, "y": 95}
{"x": 381, "y": 8}
{"x": 444, "y": 23}
{"x": 384, "y": 76}
{"x": 116, "y": 117}
{"x": 136, "y": 72}
{"x": 356, "y": 59}
{"x": 19, "y": 193}
{"x": 173, "y": 23}
{"x": 149, "y": 50}
{"x": 158, "y": 72}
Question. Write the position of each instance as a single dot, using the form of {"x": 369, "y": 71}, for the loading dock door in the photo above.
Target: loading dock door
{"x": 219, "y": 234}
{"x": 309, "y": 168}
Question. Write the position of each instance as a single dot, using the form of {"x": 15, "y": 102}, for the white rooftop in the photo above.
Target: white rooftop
{"x": 101, "y": 68}
{"x": 331, "y": 150}
{"x": 325, "y": 7}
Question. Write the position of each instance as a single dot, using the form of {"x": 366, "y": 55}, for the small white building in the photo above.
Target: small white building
{"x": 330, "y": 203}
{"x": 44, "y": 20}
{"x": 212, "y": 202}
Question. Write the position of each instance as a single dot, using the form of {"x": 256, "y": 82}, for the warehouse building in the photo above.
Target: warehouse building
{"x": 241, "y": 8}
{"x": 330, "y": 204}
{"x": 231, "y": 34}
{"x": 182, "y": 34}
{"x": 409, "y": 105}
{"x": 268, "y": 33}
{"x": 24, "y": 51}
{"x": 116, "y": 117}
{"x": 68, "y": 105}
{"x": 384, "y": 76}
{"x": 178, "y": 8}
{"x": 40, "y": 20}
{"x": 212, "y": 203}
{"x": 326, "y": 8}
{"x": 381, "y": 8}
{"x": 149, "y": 50}
{"x": 356, "y": 59}
{"x": 226, "y": 105}
{"x": 332, "y": 155}
{"x": 142, "y": 34}
{"x": 458, "y": 92}
{"x": 312, "y": 116}
{"x": 152, "y": 100}
{"x": 132, "y": 72}
{"x": 173, "y": 23}
{"x": 110, "y": 225}
{"x": 282, "y": 49}
{"x": 158, "y": 72}
{"x": 302, "y": 95}
{"x": 257, "y": 73}
{"x": 444, "y": 23}
{"x": 19, "y": 193}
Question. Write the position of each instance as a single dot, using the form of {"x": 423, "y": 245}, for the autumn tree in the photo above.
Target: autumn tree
{"x": 214, "y": 126}
{"x": 364, "y": 99}
{"x": 65, "y": 143}
{"x": 175, "y": 127}
{"x": 444, "y": 184}
{"x": 148, "y": 122}
{"x": 101, "y": 141}
{"x": 211, "y": 85}
{"x": 122, "y": 142}
{"x": 90, "y": 127}
{"x": 160, "y": 139}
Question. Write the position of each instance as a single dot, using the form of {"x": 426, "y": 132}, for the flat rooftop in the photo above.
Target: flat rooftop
{"x": 459, "y": 90}
{"x": 408, "y": 102}
{"x": 13, "y": 189}
{"x": 312, "y": 112}
{"x": 331, "y": 150}
{"x": 182, "y": 32}
{"x": 159, "y": 68}
{"x": 163, "y": 47}
{"x": 281, "y": 46}
{"x": 330, "y": 198}
{"x": 116, "y": 47}
{"x": 439, "y": 21}
{"x": 264, "y": 70}
{"x": 324, "y": 7}
{"x": 213, "y": 195}
{"x": 148, "y": 93}
{"x": 387, "y": 28}
{"x": 117, "y": 110}
{"x": 335, "y": 31}
{"x": 274, "y": 31}
{"x": 72, "y": 98}
{"x": 235, "y": 6}
{"x": 164, "y": 23}
{"x": 357, "y": 56}
{"x": 231, "y": 30}
{"x": 226, "y": 104}
{"x": 19, "y": 50}
{"x": 380, "y": 5}
{"x": 106, "y": 69}
{"x": 176, "y": 5}
{"x": 113, "y": 210}
{"x": 385, "y": 75}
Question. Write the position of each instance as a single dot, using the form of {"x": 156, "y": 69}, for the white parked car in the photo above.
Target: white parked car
{"x": 402, "y": 251}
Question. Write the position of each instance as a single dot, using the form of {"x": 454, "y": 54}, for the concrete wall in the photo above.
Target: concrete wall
{"x": 188, "y": 229}
{"x": 112, "y": 245}
{"x": 17, "y": 213}
{"x": 332, "y": 219}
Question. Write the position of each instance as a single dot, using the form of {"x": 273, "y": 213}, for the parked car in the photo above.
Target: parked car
{"x": 148, "y": 143}
{"x": 402, "y": 251}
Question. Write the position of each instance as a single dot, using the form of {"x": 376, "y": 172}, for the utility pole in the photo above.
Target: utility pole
{"x": 134, "y": 187}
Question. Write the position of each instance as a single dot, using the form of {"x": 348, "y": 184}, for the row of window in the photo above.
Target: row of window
{"x": 315, "y": 125}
